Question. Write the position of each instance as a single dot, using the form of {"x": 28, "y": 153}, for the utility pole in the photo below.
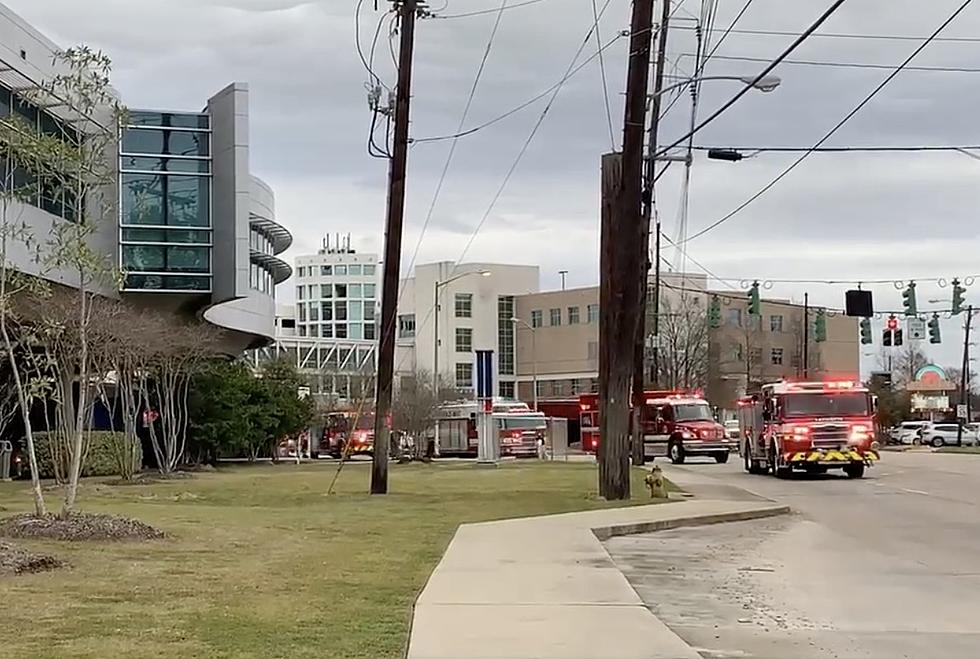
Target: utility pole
{"x": 965, "y": 376}
{"x": 620, "y": 263}
{"x": 806, "y": 336}
{"x": 650, "y": 175}
{"x": 397, "y": 173}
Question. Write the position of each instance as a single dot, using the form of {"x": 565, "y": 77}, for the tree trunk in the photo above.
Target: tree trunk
{"x": 78, "y": 438}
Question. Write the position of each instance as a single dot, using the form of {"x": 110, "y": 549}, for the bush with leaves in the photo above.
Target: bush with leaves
{"x": 100, "y": 458}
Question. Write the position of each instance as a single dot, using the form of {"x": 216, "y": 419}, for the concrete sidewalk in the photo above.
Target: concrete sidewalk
{"x": 545, "y": 588}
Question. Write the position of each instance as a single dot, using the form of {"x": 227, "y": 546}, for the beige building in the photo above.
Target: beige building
{"x": 558, "y": 338}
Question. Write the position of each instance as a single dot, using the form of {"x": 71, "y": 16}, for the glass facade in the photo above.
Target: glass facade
{"x": 42, "y": 192}
{"x": 165, "y": 197}
{"x": 505, "y": 335}
{"x": 339, "y": 310}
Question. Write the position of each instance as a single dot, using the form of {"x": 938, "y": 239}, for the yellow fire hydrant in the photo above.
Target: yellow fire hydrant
{"x": 655, "y": 481}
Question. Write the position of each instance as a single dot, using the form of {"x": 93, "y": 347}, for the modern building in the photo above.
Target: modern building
{"x": 192, "y": 230}
{"x": 557, "y": 334}
{"x": 447, "y": 311}
{"x": 330, "y": 331}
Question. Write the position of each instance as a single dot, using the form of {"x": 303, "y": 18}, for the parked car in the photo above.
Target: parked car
{"x": 732, "y": 430}
{"x": 908, "y": 431}
{"x": 946, "y": 434}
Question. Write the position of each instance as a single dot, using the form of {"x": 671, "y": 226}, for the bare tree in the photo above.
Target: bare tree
{"x": 415, "y": 406}
{"x": 683, "y": 352}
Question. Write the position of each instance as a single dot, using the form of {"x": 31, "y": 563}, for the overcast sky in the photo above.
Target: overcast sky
{"x": 838, "y": 216}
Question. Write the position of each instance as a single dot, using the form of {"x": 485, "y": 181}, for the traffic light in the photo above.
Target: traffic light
{"x": 898, "y": 338}
{"x": 730, "y": 155}
{"x": 908, "y": 301}
{"x": 889, "y": 336}
{"x": 958, "y": 291}
{"x": 934, "y": 334}
{"x": 714, "y": 312}
{"x": 754, "y": 302}
{"x": 865, "y": 326}
{"x": 820, "y": 326}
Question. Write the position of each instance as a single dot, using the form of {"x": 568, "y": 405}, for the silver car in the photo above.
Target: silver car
{"x": 946, "y": 434}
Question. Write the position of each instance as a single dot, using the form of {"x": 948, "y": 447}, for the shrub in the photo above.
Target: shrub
{"x": 100, "y": 459}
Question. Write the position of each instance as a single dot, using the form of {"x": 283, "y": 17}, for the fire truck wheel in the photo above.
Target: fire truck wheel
{"x": 721, "y": 458}
{"x": 777, "y": 471}
{"x": 854, "y": 471}
{"x": 750, "y": 465}
{"x": 676, "y": 453}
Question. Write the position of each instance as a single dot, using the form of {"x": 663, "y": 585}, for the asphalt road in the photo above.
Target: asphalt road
{"x": 886, "y": 567}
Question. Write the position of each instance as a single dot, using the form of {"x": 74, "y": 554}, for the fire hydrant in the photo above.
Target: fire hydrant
{"x": 655, "y": 481}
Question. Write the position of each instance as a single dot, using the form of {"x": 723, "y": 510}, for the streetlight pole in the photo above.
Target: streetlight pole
{"x": 534, "y": 358}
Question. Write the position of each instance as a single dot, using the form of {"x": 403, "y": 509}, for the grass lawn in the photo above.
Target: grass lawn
{"x": 262, "y": 563}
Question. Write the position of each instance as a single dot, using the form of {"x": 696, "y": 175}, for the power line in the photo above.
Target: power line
{"x": 462, "y": 121}
{"x": 839, "y": 149}
{"x": 482, "y": 12}
{"x": 558, "y": 85}
{"x": 602, "y": 72}
{"x": 786, "y": 53}
{"x": 846, "y": 65}
{"x": 834, "y": 130}
{"x": 841, "y": 35}
{"x": 360, "y": 50}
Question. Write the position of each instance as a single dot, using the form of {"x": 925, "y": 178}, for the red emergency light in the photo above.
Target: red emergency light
{"x": 892, "y": 324}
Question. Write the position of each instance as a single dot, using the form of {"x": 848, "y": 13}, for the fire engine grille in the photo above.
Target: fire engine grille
{"x": 831, "y": 435}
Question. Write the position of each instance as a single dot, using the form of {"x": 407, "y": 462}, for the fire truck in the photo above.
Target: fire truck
{"x": 519, "y": 430}
{"x": 339, "y": 428}
{"x": 674, "y": 423}
{"x": 808, "y": 426}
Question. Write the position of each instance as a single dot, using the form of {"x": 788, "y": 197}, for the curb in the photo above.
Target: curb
{"x": 603, "y": 533}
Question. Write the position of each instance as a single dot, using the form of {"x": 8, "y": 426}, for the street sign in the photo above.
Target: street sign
{"x": 916, "y": 329}
{"x": 961, "y": 411}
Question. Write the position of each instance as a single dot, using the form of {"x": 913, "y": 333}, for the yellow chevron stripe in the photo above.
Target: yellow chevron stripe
{"x": 798, "y": 457}
{"x": 815, "y": 456}
{"x": 835, "y": 456}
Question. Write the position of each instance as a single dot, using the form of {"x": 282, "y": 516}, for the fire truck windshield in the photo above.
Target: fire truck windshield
{"x": 692, "y": 412}
{"x": 522, "y": 422}
{"x": 824, "y": 404}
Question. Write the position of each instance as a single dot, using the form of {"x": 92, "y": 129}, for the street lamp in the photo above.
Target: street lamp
{"x": 534, "y": 356}
{"x": 435, "y": 309}
{"x": 764, "y": 84}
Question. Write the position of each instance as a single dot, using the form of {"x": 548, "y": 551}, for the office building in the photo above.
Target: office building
{"x": 194, "y": 232}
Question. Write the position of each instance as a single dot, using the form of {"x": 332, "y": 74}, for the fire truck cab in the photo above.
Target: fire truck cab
{"x": 680, "y": 425}
{"x": 808, "y": 426}
{"x": 519, "y": 429}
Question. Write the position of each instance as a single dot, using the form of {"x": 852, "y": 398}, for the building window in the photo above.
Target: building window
{"x": 593, "y": 351}
{"x": 369, "y": 270}
{"x": 302, "y": 271}
{"x": 735, "y": 317}
{"x": 737, "y": 353}
{"x": 537, "y": 318}
{"x": 354, "y": 270}
{"x": 755, "y": 356}
{"x": 506, "y": 390}
{"x": 354, "y": 291}
{"x": 573, "y": 315}
{"x": 326, "y": 311}
{"x": 166, "y": 200}
{"x": 464, "y": 339}
{"x": 326, "y": 291}
{"x": 340, "y": 330}
{"x": 326, "y": 270}
{"x": 327, "y": 331}
{"x": 775, "y": 323}
{"x": 355, "y": 310}
{"x": 593, "y": 311}
{"x": 406, "y": 326}
{"x": 356, "y": 331}
{"x": 159, "y": 259}
{"x": 314, "y": 311}
{"x": 340, "y": 310}
{"x": 464, "y": 305}
{"x": 555, "y": 317}
{"x": 370, "y": 332}
{"x": 301, "y": 313}
{"x": 370, "y": 291}
{"x": 505, "y": 335}
{"x": 369, "y": 311}
{"x": 340, "y": 270}
{"x": 777, "y": 356}
{"x": 464, "y": 376}
{"x": 302, "y": 330}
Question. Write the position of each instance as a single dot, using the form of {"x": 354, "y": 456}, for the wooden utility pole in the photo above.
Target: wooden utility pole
{"x": 620, "y": 287}
{"x": 393, "y": 249}
{"x": 650, "y": 174}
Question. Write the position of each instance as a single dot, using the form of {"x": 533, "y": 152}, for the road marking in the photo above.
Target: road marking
{"x": 915, "y": 492}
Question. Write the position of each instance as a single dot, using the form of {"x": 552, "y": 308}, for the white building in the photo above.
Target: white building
{"x": 475, "y": 307}
{"x": 330, "y": 331}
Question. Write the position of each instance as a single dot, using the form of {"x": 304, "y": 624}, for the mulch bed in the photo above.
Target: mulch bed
{"x": 77, "y": 527}
{"x": 16, "y": 560}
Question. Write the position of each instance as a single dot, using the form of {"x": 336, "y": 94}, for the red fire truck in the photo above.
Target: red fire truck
{"x": 675, "y": 424}
{"x": 520, "y": 430}
{"x": 808, "y": 426}
{"x": 339, "y": 428}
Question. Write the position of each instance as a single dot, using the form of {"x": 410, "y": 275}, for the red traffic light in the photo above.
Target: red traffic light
{"x": 892, "y": 323}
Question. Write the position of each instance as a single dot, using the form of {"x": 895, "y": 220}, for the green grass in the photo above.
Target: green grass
{"x": 262, "y": 563}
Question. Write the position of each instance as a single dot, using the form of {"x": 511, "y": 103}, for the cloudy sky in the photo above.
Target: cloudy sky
{"x": 838, "y": 216}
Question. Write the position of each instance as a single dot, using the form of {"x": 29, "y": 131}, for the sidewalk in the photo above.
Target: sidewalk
{"x": 544, "y": 587}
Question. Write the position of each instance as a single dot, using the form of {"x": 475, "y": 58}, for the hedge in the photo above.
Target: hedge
{"x": 100, "y": 459}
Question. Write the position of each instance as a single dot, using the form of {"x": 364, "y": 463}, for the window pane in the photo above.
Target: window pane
{"x": 165, "y": 142}
{"x": 327, "y": 331}
{"x": 369, "y": 311}
{"x": 593, "y": 311}
{"x": 536, "y": 318}
{"x": 354, "y": 292}
{"x": 573, "y": 315}
{"x": 166, "y": 164}
{"x": 340, "y": 331}
{"x": 188, "y": 201}
{"x": 356, "y": 311}
{"x": 326, "y": 308}
{"x": 142, "y": 199}
{"x": 370, "y": 332}
{"x": 4, "y": 101}
{"x": 340, "y": 291}
{"x": 340, "y": 310}
{"x": 464, "y": 305}
{"x": 144, "y": 258}
{"x": 369, "y": 270}
{"x": 356, "y": 331}
{"x": 369, "y": 291}
{"x": 177, "y": 120}
{"x": 326, "y": 270}
{"x": 188, "y": 259}
{"x": 354, "y": 270}
{"x": 555, "y": 315}
{"x": 340, "y": 270}
{"x": 165, "y": 236}
{"x": 167, "y": 282}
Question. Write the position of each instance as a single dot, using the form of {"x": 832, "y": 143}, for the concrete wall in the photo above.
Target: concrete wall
{"x": 566, "y": 351}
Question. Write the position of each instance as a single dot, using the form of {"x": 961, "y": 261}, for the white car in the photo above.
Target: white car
{"x": 945, "y": 434}
{"x": 732, "y": 429}
{"x": 908, "y": 431}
